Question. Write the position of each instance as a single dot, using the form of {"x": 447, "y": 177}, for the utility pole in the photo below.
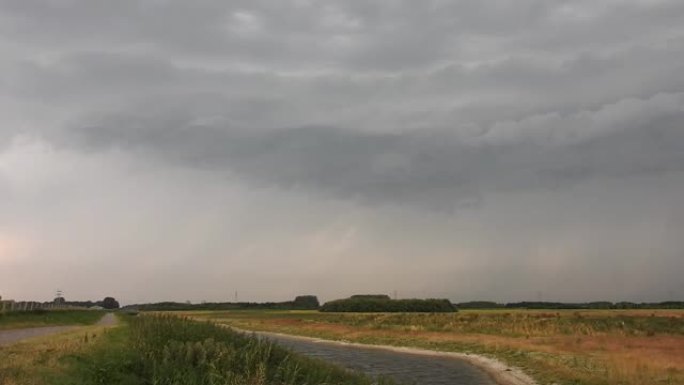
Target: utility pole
{"x": 59, "y": 295}
{"x": 236, "y": 296}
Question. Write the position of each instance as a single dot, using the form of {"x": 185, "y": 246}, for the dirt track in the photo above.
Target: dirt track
{"x": 8, "y": 337}
{"x": 11, "y": 336}
{"x": 109, "y": 319}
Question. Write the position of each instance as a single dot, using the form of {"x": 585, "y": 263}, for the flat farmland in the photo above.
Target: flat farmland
{"x": 627, "y": 347}
{"x": 38, "y": 318}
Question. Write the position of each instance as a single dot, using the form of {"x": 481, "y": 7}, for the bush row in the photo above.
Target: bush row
{"x": 303, "y": 302}
{"x": 361, "y": 304}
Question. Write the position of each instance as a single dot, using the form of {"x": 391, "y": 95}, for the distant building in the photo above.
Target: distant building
{"x": 6, "y": 305}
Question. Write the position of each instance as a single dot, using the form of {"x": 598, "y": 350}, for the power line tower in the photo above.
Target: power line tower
{"x": 59, "y": 298}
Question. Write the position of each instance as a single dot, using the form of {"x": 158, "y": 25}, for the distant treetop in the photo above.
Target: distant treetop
{"x": 306, "y": 302}
{"x": 370, "y": 296}
{"x": 361, "y": 304}
{"x": 110, "y": 303}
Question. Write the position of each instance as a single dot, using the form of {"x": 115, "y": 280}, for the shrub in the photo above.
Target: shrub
{"x": 365, "y": 304}
{"x": 110, "y": 303}
{"x": 304, "y": 302}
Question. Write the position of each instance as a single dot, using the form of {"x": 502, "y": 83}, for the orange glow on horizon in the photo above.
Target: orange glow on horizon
{"x": 9, "y": 247}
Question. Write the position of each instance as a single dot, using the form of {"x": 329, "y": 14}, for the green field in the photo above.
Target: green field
{"x": 35, "y": 318}
{"x": 591, "y": 347}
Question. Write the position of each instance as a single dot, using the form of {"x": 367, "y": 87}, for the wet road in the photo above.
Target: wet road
{"x": 404, "y": 367}
{"x": 11, "y": 336}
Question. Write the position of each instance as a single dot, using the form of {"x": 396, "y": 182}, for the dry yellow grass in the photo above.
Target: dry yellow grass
{"x": 588, "y": 347}
{"x": 29, "y": 362}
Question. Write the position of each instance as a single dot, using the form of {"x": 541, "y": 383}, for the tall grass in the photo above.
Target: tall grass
{"x": 518, "y": 324}
{"x": 169, "y": 350}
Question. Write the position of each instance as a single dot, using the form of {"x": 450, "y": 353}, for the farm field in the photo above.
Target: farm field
{"x": 37, "y": 318}
{"x": 589, "y": 347}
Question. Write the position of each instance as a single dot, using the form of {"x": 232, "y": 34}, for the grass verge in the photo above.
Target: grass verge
{"x": 37, "y": 361}
{"x": 157, "y": 349}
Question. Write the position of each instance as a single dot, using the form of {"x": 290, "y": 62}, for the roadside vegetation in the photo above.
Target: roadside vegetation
{"x": 40, "y": 360}
{"x": 164, "y": 349}
{"x": 36, "y": 318}
{"x": 589, "y": 347}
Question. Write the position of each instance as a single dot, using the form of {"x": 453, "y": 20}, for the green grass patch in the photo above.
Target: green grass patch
{"x": 156, "y": 349}
{"x": 35, "y": 318}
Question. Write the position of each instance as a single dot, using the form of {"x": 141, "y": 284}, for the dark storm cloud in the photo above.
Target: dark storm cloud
{"x": 422, "y": 103}
{"x": 430, "y": 168}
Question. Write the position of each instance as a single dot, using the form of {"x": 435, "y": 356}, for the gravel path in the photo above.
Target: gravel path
{"x": 109, "y": 319}
{"x": 403, "y": 366}
{"x": 11, "y": 336}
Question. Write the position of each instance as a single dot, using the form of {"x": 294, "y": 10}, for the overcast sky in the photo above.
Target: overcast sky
{"x": 182, "y": 150}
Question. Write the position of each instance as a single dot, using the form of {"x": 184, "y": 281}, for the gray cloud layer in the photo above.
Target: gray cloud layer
{"x": 441, "y": 110}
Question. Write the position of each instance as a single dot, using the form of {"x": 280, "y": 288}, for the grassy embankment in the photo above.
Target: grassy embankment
{"x": 38, "y": 360}
{"x": 36, "y": 318}
{"x": 632, "y": 347}
{"x": 167, "y": 350}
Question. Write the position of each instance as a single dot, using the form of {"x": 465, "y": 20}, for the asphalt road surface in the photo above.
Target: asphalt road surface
{"x": 11, "y": 336}
{"x": 404, "y": 367}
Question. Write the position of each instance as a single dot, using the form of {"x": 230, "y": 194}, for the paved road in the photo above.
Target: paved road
{"x": 404, "y": 367}
{"x": 11, "y": 336}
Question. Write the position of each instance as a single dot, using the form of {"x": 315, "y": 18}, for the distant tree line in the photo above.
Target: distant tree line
{"x": 302, "y": 302}
{"x": 577, "y": 306}
{"x": 371, "y": 296}
{"x": 479, "y": 305}
{"x": 106, "y": 303}
{"x": 365, "y": 303}
{"x": 383, "y": 303}
{"x": 56, "y": 304}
